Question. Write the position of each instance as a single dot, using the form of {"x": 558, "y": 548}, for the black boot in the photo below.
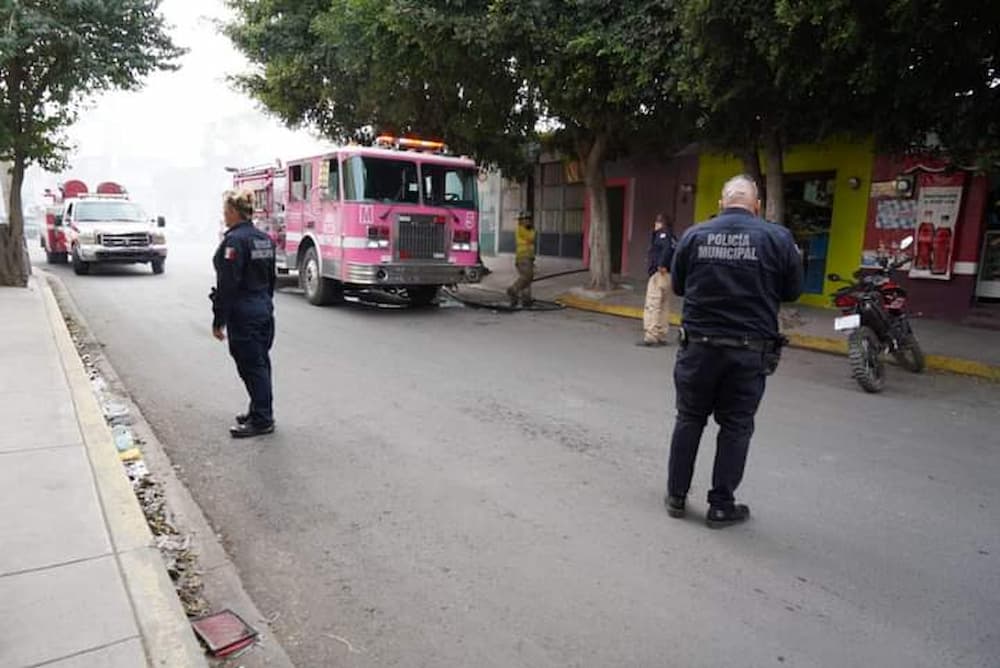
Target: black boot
{"x": 723, "y": 516}
{"x": 676, "y": 506}
{"x": 249, "y": 429}
{"x": 242, "y": 418}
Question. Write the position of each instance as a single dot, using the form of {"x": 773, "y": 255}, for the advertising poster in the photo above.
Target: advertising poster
{"x": 896, "y": 214}
{"x": 939, "y": 201}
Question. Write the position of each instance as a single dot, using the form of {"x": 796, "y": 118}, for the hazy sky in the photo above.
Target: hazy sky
{"x": 168, "y": 142}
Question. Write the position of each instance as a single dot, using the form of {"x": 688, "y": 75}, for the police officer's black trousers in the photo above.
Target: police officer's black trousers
{"x": 728, "y": 383}
{"x": 250, "y": 339}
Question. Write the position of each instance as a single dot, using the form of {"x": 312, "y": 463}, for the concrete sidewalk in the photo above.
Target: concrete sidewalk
{"x": 949, "y": 347}
{"x": 82, "y": 584}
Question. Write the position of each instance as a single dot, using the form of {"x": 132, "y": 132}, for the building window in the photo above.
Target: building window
{"x": 552, "y": 174}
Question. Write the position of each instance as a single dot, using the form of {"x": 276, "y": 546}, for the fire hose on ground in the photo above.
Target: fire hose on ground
{"x": 501, "y": 302}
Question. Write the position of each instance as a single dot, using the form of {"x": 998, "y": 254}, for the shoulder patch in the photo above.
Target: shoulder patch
{"x": 230, "y": 253}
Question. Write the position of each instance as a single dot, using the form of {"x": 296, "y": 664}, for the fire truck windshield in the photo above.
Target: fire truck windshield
{"x": 449, "y": 186}
{"x": 381, "y": 180}
{"x": 98, "y": 210}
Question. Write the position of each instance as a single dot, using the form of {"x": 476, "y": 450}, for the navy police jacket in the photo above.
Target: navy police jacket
{"x": 733, "y": 272}
{"x": 244, "y": 274}
{"x": 661, "y": 250}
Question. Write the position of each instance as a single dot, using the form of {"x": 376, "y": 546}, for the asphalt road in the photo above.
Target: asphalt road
{"x": 453, "y": 487}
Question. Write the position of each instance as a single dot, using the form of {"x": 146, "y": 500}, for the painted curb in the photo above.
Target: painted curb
{"x": 821, "y": 344}
{"x": 166, "y": 633}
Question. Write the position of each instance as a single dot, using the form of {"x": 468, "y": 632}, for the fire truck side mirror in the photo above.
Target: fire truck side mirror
{"x": 161, "y": 221}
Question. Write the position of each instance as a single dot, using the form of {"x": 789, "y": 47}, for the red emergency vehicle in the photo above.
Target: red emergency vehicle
{"x": 54, "y": 237}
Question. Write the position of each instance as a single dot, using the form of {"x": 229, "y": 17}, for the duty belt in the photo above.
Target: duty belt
{"x": 746, "y": 343}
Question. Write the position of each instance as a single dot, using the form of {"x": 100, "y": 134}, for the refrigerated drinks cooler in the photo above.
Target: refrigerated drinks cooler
{"x": 989, "y": 268}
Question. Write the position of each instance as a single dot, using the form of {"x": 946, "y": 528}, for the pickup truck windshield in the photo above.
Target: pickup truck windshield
{"x": 109, "y": 210}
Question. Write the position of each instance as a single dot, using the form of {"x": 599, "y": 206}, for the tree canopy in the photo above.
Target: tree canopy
{"x": 602, "y": 77}
{"x": 53, "y": 54}
{"x": 595, "y": 69}
{"x": 480, "y": 73}
{"x": 916, "y": 75}
{"x": 348, "y": 68}
{"x": 764, "y": 76}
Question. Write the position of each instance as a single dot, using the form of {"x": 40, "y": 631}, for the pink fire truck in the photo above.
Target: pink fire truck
{"x": 267, "y": 183}
{"x": 400, "y": 217}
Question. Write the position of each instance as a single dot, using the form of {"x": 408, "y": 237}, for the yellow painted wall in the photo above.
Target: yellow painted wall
{"x": 850, "y": 207}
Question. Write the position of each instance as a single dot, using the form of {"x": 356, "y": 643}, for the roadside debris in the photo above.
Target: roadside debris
{"x": 125, "y": 444}
{"x": 175, "y": 549}
{"x": 224, "y": 633}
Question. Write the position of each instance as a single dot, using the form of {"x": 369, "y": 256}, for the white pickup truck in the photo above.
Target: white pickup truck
{"x": 114, "y": 230}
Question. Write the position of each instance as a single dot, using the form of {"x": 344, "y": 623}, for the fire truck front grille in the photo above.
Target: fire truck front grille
{"x": 130, "y": 240}
{"x": 420, "y": 238}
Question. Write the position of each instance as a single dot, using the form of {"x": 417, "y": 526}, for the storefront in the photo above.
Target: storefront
{"x": 826, "y": 201}
{"x": 945, "y": 210}
{"x": 637, "y": 189}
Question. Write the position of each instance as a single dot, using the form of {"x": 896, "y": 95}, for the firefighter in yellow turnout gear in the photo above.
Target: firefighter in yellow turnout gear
{"x": 524, "y": 261}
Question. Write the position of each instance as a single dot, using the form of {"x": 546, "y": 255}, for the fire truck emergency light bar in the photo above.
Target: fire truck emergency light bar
{"x": 102, "y": 196}
{"x": 407, "y": 143}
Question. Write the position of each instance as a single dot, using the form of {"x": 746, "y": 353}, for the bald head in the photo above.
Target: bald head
{"x": 740, "y": 192}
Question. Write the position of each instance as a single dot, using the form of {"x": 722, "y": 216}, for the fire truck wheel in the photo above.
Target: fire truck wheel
{"x": 422, "y": 296}
{"x": 80, "y": 268}
{"x": 158, "y": 266}
{"x": 319, "y": 291}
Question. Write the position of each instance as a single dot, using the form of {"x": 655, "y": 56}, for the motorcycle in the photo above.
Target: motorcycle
{"x": 876, "y": 321}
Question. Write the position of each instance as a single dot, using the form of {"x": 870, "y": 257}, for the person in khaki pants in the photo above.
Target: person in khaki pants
{"x": 655, "y": 320}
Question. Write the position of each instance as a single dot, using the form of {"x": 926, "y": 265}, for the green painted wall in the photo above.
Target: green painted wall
{"x": 850, "y": 207}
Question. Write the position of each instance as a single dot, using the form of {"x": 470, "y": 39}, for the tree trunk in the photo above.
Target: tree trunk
{"x": 14, "y": 262}
{"x": 751, "y": 163}
{"x": 775, "y": 166}
{"x": 592, "y": 157}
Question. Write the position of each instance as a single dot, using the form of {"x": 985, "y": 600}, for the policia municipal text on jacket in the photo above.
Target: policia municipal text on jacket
{"x": 733, "y": 271}
{"x": 242, "y": 305}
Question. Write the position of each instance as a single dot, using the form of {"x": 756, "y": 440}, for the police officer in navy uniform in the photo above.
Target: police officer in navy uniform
{"x": 242, "y": 304}
{"x": 733, "y": 271}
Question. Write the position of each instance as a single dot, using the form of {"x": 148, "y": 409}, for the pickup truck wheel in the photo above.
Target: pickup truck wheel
{"x": 80, "y": 268}
{"x": 158, "y": 266}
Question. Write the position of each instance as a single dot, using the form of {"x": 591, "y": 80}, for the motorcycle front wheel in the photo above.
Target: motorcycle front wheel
{"x": 864, "y": 350}
{"x": 910, "y": 356}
